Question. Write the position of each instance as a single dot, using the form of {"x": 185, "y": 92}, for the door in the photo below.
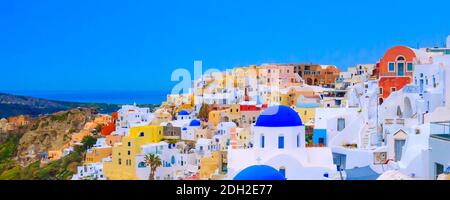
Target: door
{"x": 400, "y": 69}
{"x": 321, "y": 141}
{"x": 439, "y": 170}
{"x": 398, "y": 149}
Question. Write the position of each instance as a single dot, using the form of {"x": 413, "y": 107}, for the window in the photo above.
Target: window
{"x": 262, "y": 141}
{"x": 129, "y": 152}
{"x": 129, "y": 144}
{"x": 391, "y": 67}
{"x": 283, "y": 171}
{"x": 400, "y": 58}
{"x": 434, "y": 81}
{"x": 120, "y": 161}
{"x": 409, "y": 67}
{"x": 340, "y": 124}
{"x": 281, "y": 142}
{"x": 142, "y": 165}
{"x": 298, "y": 140}
{"x": 381, "y": 91}
{"x": 141, "y": 134}
{"x": 393, "y": 89}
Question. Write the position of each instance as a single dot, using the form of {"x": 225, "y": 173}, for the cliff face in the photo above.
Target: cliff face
{"x": 51, "y": 133}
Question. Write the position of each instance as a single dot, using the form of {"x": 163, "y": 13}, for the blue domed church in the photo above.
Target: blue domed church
{"x": 279, "y": 146}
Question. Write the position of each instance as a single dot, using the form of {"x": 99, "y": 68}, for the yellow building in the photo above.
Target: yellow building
{"x": 122, "y": 165}
{"x": 234, "y": 111}
{"x": 306, "y": 113}
{"x": 214, "y": 116}
{"x": 209, "y": 165}
{"x": 243, "y": 137}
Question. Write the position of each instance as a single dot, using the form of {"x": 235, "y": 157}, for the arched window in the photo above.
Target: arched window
{"x": 400, "y": 58}
{"x": 142, "y": 165}
{"x": 172, "y": 159}
{"x": 141, "y": 134}
{"x": 340, "y": 124}
{"x": 281, "y": 142}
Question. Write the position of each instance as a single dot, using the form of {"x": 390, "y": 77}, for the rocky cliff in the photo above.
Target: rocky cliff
{"x": 51, "y": 133}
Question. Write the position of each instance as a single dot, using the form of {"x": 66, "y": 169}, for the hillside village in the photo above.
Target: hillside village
{"x": 384, "y": 121}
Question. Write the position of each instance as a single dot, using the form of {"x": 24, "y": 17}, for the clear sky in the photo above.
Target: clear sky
{"x": 135, "y": 45}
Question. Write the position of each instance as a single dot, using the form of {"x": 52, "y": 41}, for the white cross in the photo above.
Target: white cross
{"x": 258, "y": 160}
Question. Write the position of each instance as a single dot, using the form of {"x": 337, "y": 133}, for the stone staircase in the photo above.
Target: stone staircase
{"x": 367, "y": 134}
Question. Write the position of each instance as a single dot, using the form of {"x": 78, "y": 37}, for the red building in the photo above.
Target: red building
{"x": 249, "y": 107}
{"x": 395, "y": 70}
{"x": 111, "y": 126}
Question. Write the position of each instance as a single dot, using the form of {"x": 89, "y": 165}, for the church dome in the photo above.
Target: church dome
{"x": 194, "y": 122}
{"x": 183, "y": 112}
{"x": 259, "y": 172}
{"x": 279, "y": 116}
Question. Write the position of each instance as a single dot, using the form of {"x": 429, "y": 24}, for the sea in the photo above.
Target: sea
{"x": 109, "y": 97}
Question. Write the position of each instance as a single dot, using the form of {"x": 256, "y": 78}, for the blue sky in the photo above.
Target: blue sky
{"x": 135, "y": 45}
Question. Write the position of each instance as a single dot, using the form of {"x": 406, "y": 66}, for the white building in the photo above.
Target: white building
{"x": 131, "y": 116}
{"x": 222, "y": 136}
{"x": 188, "y": 131}
{"x": 279, "y": 143}
{"x": 176, "y": 164}
{"x": 91, "y": 171}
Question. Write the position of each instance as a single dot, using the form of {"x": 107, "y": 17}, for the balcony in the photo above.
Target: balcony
{"x": 440, "y": 130}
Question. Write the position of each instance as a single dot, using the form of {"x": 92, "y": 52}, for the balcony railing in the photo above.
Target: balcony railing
{"x": 440, "y": 127}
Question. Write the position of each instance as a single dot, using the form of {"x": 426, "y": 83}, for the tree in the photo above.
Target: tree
{"x": 153, "y": 161}
{"x": 203, "y": 113}
{"x": 88, "y": 142}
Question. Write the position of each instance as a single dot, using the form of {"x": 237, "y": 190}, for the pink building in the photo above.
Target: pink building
{"x": 283, "y": 75}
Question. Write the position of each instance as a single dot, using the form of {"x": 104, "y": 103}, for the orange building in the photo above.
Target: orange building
{"x": 314, "y": 74}
{"x": 97, "y": 154}
{"x": 113, "y": 139}
{"x": 18, "y": 121}
{"x": 395, "y": 70}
